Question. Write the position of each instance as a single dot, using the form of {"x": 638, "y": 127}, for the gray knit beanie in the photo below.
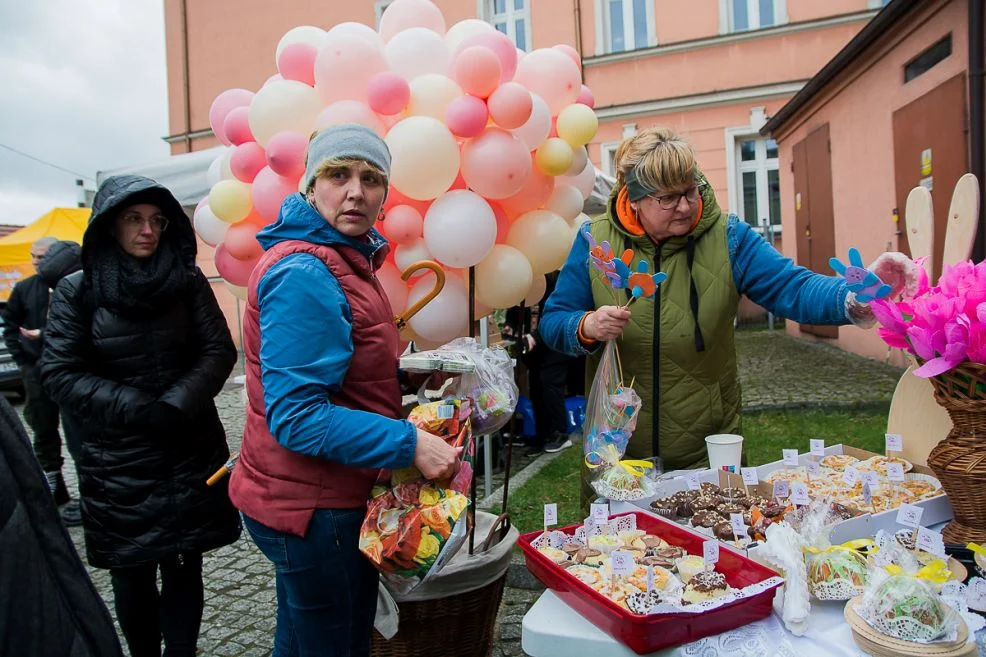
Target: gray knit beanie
{"x": 349, "y": 140}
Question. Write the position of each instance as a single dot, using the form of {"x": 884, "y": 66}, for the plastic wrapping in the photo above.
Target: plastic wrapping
{"x": 906, "y": 608}
{"x": 835, "y": 572}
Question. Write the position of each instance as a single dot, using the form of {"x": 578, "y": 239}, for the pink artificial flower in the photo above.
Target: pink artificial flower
{"x": 894, "y": 339}
{"x": 954, "y": 353}
{"x": 933, "y": 310}
{"x": 926, "y": 342}
{"x": 976, "y": 350}
{"x": 888, "y": 314}
{"x": 981, "y": 312}
{"x": 956, "y": 279}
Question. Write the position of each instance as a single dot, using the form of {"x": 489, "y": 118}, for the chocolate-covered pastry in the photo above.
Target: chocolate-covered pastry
{"x": 723, "y": 531}
{"x": 705, "y": 502}
{"x": 642, "y": 603}
{"x": 710, "y": 489}
{"x": 772, "y": 509}
{"x": 651, "y": 541}
{"x": 669, "y": 552}
{"x": 729, "y": 507}
{"x": 844, "y": 511}
{"x": 747, "y": 518}
{"x": 586, "y": 553}
{"x": 657, "y": 561}
{"x": 732, "y": 494}
{"x": 664, "y": 508}
{"x": 705, "y": 518}
{"x": 755, "y": 500}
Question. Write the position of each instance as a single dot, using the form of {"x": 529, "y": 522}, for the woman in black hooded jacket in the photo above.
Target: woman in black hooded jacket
{"x": 136, "y": 347}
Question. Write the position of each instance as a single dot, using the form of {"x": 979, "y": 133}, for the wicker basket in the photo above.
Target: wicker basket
{"x": 959, "y": 461}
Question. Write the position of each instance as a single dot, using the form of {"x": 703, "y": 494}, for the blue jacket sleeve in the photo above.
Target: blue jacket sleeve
{"x": 570, "y": 300}
{"x": 305, "y": 349}
{"x": 780, "y": 286}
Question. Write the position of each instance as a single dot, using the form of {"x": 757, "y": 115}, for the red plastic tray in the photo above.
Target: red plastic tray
{"x": 644, "y": 634}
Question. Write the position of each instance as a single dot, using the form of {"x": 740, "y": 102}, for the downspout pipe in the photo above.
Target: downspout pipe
{"x": 977, "y": 117}
{"x": 186, "y": 101}
{"x": 578, "y": 34}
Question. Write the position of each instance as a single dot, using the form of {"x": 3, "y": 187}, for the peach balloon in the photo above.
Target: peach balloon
{"x": 579, "y": 158}
{"x": 417, "y": 51}
{"x": 234, "y": 271}
{"x": 536, "y": 129}
{"x": 503, "y": 278}
{"x": 395, "y": 198}
{"x": 241, "y": 241}
{"x": 230, "y": 200}
{"x": 495, "y": 164}
{"x": 281, "y": 106}
{"x": 570, "y": 52}
{"x": 460, "y": 229}
{"x": 502, "y": 222}
{"x": 345, "y": 65}
{"x": 565, "y": 201}
{"x": 584, "y": 181}
{"x": 535, "y": 193}
{"x": 425, "y": 157}
{"x": 551, "y": 75}
{"x": 554, "y": 157}
{"x": 286, "y": 154}
{"x": 408, "y": 254}
{"x": 510, "y": 105}
{"x": 406, "y": 14}
{"x": 222, "y": 106}
{"x": 394, "y": 287}
{"x": 586, "y": 97}
{"x": 543, "y": 237}
{"x": 402, "y": 224}
{"x": 447, "y": 315}
{"x": 256, "y": 219}
{"x": 431, "y": 95}
{"x": 466, "y": 116}
{"x": 350, "y": 111}
{"x": 500, "y": 44}
{"x": 247, "y": 160}
{"x": 237, "y": 126}
{"x": 538, "y": 287}
{"x": 463, "y": 30}
{"x": 269, "y": 191}
{"x": 297, "y": 62}
{"x": 477, "y": 71}
{"x": 388, "y": 93}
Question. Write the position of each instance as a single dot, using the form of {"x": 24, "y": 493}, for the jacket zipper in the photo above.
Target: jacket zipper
{"x": 656, "y": 356}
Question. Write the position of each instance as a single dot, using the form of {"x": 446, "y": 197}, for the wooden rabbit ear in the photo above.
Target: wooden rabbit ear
{"x": 627, "y": 257}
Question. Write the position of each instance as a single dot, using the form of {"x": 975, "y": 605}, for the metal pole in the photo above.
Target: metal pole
{"x": 472, "y": 334}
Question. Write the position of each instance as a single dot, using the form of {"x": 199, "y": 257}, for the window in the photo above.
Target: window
{"x": 758, "y": 182}
{"x": 607, "y": 158}
{"x": 877, "y": 4}
{"x": 745, "y": 15}
{"x": 513, "y": 18}
{"x": 923, "y": 62}
{"x": 379, "y": 7}
{"x": 626, "y": 25}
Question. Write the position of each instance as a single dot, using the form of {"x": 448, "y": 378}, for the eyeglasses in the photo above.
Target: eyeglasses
{"x": 671, "y": 201}
{"x": 158, "y": 223}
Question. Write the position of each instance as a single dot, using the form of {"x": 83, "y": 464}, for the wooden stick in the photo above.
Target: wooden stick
{"x": 619, "y": 363}
{"x": 632, "y": 380}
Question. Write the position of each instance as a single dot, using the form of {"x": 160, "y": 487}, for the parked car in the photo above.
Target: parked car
{"x": 10, "y": 374}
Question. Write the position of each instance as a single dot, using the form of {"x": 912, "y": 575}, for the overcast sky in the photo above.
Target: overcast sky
{"x": 82, "y": 85}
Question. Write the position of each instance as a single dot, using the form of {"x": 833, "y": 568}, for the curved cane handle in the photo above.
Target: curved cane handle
{"x": 401, "y": 320}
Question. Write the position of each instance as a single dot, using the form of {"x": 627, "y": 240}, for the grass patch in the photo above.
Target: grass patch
{"x": 765, "y": 435}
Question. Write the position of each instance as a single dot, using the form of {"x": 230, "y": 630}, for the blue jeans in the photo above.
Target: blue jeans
{"x": 326, "y": 588}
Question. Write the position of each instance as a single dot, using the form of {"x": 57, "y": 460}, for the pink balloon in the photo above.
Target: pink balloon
{"x": 247, "y": 160}
{"x": 269, "y": 191}
{"x": 241, "y": 241}
{"x": 551, "y": 75}
{"x": 286, "y": 154}
{"x": 586, "y": 97}
{"x": 297, "y": 62}
{"x": 350, "y": 111}
{"x": 495, "y": 164}
{"x": 500, "y": 44}
{"x": 345, "y": 65}
{"x": 510, "y": 105}
{"x": 221, "y": 106}
{"x": 534, "y": 194}
{"x": 466, "y": 116}
{"x": 402, "y": 224}
{"x": 477, "y": 70}
{"x": 404, "y": 14}
{"x": 234, "y": 271}
{"x": 388, "y": 93}
{"x": 394, "y": 286}
{"x": 395, "y": 198}
{"x": 236, "y": 126}
{"x": 570, "y": 52}
{"x": 502, "y": 222}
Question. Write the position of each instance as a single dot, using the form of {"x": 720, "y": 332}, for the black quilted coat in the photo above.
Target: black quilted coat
{"x": 143, "y": 473}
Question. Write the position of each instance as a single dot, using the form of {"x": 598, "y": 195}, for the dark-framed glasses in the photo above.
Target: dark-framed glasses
{"x": 158, "y": 222}
{"x": 671, "y": 201}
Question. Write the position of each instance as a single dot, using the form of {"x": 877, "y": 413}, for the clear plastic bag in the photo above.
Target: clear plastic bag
{"x": 835, "y": 572}
{"x": 906, "y": 607}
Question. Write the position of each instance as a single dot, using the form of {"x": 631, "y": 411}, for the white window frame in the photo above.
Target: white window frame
{"x": 604, "y": 37}
{"x": 753, "y": 11}
{"x": 378, "y": 8}
{"x": 607, "y": 154}
{"x": 484, "y": 9}
{"x": 735, "y": 167}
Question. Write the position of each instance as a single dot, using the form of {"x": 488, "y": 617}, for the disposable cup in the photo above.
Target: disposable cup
{"x": 724, "y": 449}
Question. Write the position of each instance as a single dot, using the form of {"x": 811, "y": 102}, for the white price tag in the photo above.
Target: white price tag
{"x": 739, "y": 527}
{"x": 692, "y": 480}
{"x": 782, "y": 489}
{"x": 599, "y": 513}
{"x": 952, "y": 588}
{"x": 872, "y": 479}
{"x": 814, "y": 468}
{"x": 650, "y": 579}
{"x": 895, "y": 442}
{"x": 850, "y": 475}
{"x": 931, "y": 541}
{"x": 799, "y": 494}
{"x": 710, "y": 552}
{"x": 817, "y": 446}
{"x": 622, "y": 563}
{"x": 867, "y": 493}
{"x": 550, "y": 514}
{"x": 790, "y": 456}
{"x": 909, "y": 515}
{"x": 895, "y": 472}
{"x": 750, "y": 477}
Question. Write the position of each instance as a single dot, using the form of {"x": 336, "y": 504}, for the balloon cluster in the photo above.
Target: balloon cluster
{"x": 488, "y": 142}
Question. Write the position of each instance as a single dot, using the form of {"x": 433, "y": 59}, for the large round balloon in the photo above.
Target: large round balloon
{"x": 510, "y": 105}
{"x": 543, "y": 237}
{"x": 234, "y": 271}
{"x": 466, "y": 116}
{"x": 304, "y": 34}
{"x": 236, "y": 126}
{"x": 447, "y": 315}
{"x": 500, "y": 44}
{"x": 407, "y": 255}
{"x": 417, "y": 51}
{"x": 584, "y": 181}
{"x": 463, "y": 30}
{"x": 538, "y": 287}
{"x": 538, "y": 126}
{"x": 222, "y": 105}
{"x": 388, "y": 93}
{"x": 286, "y": 154}
{"x": 405, "y": 14}
{"x": 577, "y": 124}
{"x": 247, "y": 160}
{"x": 535, "y": 193}
{"x": 496, "y": 164}
{"x": 425, "y": 157}
{"x": 297, "y": 62}
{"x": 554, "y": 156}
{"x": 394, "y": 286}
{"x": 210, "y": 228}
{"x": 361, "y": 30}
{"x": 241, "y": 241}
{"x": 565, "y": 201}
{"x": 460, "y": 229}
{"x": 269, "y": 191}
{"x": 280, "y": 106}
{"x": 403, "y": 224}
{"x": 431, "y": 95}
{"x": 345, "y": 65}
{"x": 350, "y": 111}
{"x": 230, "y": 200}
{"x": 477, "y": 71}
{"x": 551, "y": 75}
{"x": 503, "y": 278}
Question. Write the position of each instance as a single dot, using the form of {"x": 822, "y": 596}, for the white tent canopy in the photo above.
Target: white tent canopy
{"x": 186, "y": 176}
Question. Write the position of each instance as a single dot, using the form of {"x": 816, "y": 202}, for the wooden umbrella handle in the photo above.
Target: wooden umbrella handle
{"x": 402, "y": 319}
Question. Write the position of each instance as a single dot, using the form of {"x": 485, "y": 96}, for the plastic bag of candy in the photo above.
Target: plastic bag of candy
{"x": 412, "y": 525}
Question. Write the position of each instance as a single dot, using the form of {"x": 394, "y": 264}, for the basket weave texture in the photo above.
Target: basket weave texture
{"x": 959, "y": 460}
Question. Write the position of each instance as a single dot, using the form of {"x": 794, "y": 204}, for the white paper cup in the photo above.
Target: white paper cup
{"x": 724, "y": 449}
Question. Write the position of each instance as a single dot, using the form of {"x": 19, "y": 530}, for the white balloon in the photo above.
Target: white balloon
{"x": 405, "y": 256}
{"x": 210, "y": 228}
{"x": 463, "y": 30}
{"x": 580, "y": 157}
{"x": 565, "y": 201}
{"x": 538, "y": 127}
{"x": 417, "y": 51}
{"x": 361, "y": 30}
{"x": 281, "y": 106}
{"x": 446, "y": 316}
{"x": 219, "y": 169}
{"x": 425, "y": 157}
{"x": 313, "y": 36}
{"x": 584, "y": 181}
{"x": 459, "y": 228}
{"x": 538, "y": 286}
{"x": 431, "y": 94}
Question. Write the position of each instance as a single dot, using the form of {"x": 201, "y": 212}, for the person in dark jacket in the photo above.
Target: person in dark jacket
{"x": 24, "y": 319}
{"x": 48, "y": 605}
{"x": 137, "y": 348}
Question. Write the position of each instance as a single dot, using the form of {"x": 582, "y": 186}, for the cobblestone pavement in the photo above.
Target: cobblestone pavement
{"x": 239, "y": 597}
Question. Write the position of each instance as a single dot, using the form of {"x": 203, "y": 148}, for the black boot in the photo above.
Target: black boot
{"x": 72, "y": 514}
{"x": 58, "y": 488}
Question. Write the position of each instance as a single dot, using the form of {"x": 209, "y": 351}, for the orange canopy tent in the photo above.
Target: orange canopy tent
{"x": 15, "y": 249}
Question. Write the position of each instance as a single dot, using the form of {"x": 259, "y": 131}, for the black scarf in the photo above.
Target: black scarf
{"x": 146, "y": 285}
